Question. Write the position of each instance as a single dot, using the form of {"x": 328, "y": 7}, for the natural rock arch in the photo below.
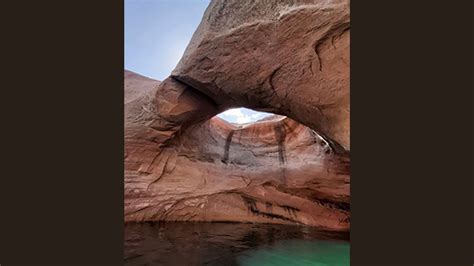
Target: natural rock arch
{"x": 286, "y": 58}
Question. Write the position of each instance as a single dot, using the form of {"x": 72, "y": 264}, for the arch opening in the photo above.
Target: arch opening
{"x": 244, "y": 116}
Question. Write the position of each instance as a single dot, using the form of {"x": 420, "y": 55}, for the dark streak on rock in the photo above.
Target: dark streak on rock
{"x": 330, "y": 204}
{"x": 227, "y": 147}
{"x": 291, "y": 210}
{"x": 252, "y": 207}
{"x": 280, "y": 135}
{"x": 316, "y": 50}
{"x": 269, "y": 206}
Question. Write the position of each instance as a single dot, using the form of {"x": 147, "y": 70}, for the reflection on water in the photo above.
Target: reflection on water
{"x": 232, "y": 244}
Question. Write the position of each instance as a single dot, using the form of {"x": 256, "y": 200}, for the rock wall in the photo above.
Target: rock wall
{"x": 286, "y": 57}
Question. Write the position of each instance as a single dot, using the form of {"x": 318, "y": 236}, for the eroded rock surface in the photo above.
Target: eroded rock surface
{"x": 183, "y": 165}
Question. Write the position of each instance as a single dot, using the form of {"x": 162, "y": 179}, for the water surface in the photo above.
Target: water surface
{"x": 229, "y": 244}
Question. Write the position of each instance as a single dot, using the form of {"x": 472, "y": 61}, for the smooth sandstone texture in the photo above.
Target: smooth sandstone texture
{"x": 286, "y": 57}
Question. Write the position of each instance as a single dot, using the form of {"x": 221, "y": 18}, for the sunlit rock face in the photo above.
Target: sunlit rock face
{"x": 290, "y": 58}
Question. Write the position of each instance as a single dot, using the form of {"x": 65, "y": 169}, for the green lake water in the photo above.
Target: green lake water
{"x": 298, "y": 252}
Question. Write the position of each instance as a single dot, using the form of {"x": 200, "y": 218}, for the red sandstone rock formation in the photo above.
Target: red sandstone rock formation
{"x": 184, "y": 164}
{"x": 284, "y": 57}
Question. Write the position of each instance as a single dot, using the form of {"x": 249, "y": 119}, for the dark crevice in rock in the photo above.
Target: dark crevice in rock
{"x": 251, "y": 204}
{"x": 271, "y": 77}
{"x": 312, "y": 195}
{"x": 334, "y": 146}
{"x": 320, "y": 64}
{"x": 291, "y": 210}
{"x": 333, "y": 204}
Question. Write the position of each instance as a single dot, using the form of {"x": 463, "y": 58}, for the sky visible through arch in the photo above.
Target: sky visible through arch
{"x": 242, "y": 115}
{"x": 156, "y": 35}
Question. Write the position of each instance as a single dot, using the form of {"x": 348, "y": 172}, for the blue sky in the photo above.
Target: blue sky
{"x": 156, "y": 35}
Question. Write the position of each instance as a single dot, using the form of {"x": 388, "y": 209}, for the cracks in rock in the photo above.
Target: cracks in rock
{"x": 138, "y": 210}
{"x": 162, "y": 166}
{"x": 331, "y": 34}
{"x": 311, "y": 67}
{"x": 251, "y": 204}
{"x": 154, "y": 159}
{"x": 270, "y": 80}
{"x": 320, "y": 64}
{"x": 332, "y": 41}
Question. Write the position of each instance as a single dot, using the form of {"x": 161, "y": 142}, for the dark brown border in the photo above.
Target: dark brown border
{"x": 62, "y": 132}
{"x": 411, "y": 133}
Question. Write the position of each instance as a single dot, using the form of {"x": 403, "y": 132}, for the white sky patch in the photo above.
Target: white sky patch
{"x": 174, "y": 54}
{"x": 242, "y": 115}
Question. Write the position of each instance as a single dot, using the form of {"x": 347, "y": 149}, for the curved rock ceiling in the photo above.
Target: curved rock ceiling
{"x": 286, "y": 57}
